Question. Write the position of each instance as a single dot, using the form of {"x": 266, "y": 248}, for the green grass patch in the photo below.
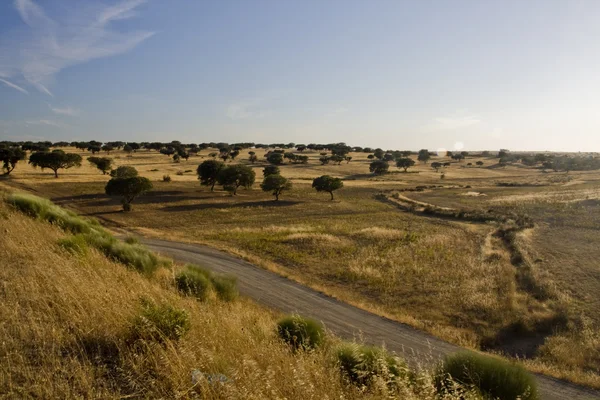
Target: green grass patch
{"x": 362, "y": 364}
{"x": 87, "y": 233}
{"x": 301, "y": 333}
{"x": 160, "y": 323}
{"x": 494, "y": 378}
{"x": 225, "y": 287}
{"x": 194, "y": 282}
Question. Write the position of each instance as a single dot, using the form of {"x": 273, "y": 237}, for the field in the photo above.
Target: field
{"x": 528, "y": 291}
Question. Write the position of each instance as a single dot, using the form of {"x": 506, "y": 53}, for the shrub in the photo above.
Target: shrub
{"x": 179, "y": 173}
{"x": 361, "y": 364}
{"x": 493, "y": 377}
{"x": 300, "y": 333}
{"x": 167, "y": 178}
{"x": 160, "y": 322}
{"x": 226, "y": 287}
{"x": 194, "y": 282}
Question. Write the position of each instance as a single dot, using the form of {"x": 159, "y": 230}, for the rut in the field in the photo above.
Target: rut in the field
{"x": 506, "y": 239}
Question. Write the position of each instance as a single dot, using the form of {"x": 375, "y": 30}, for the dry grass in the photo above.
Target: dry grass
{"x": 65, "y": 323}
{"x": 451, "y": 278}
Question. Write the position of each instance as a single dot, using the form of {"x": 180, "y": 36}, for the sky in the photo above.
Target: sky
{"x": 472, "y": 75}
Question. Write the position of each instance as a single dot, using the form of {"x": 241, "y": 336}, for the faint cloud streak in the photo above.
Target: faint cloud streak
{"x": 47, "y": 46}
{"x": 12, "y": 85}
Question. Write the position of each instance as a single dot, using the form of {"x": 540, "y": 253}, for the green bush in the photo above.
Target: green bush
{"x": 193, "y": 282}
{"x": 226, "y": 287}
{"x": 301, "y": 333}
{"x": 160, "y": 322}
{"x": 494, "y": 378}
{"x": 361, "y": 364}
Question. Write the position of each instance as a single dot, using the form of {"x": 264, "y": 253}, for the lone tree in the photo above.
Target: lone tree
{"x": 252, "y": 157}
{"x": 55, "y": 160}
{"x": 327, "y": 184}
{"x": 436, "y": 165}
{"x": 405, "y": 163}
{"x": 10, "y": 157}
{"x": 107, "y": 148}
{"x": 104, "y": 164}
{"x": 379, "y": 167}
{"x": 479, "y": 163}
{"x": 275, "y": 184}
{"x": 128, "y": 189}
{"x": 124, "y": 171}
{"x": 234, "y": 176}
{"x": 208, "y": 172}
{"x": 275, "y": 158}
{"x": 270, "y": 170}
{"x": 424, "y": 155}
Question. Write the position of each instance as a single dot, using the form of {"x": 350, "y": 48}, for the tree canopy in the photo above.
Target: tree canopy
{"x": 9, "y": 157}
{"x": 275, "y": 184}
{"x": 327, "y": 183}
{"x": 104, "y": 164}
{"x": 55, "y": 160}
{"x": 128, "y": 189}
{"x": 208, "y": 172}
{"x": 379, "y": 167}
{"x": 234, "y": 176}
{"x": 124, "y": 171}
{"x": 405, "y": 163}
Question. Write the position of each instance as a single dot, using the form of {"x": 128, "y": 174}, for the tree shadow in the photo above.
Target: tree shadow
{"x": 215, "y": 206}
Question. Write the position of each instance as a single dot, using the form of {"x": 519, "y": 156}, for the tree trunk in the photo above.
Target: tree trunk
{"x": 276, "y": 196}
{"x": 212, "y": 188}
{"x": 331, "y": 193}
{"x": 56, "y": 173}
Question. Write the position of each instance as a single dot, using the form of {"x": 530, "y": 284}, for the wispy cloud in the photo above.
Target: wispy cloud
{"x": 452, "y": 123}
{"x": 46, "y": 46}
{"x": 12, "y": 85}
{"x": 247, "y": 109}
{"x": 47, "y": 122}
{"x": 65, "y": 111}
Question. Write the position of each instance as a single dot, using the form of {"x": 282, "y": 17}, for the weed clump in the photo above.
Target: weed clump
{"x": 301, "y": 333}
{"x": 226, "y": 287}
{"x": 362, "y": 364}
{"x": 492, "y": 377}
{"x": 194, "y": 282}
{"x": 160, "y": 323}
{"x": 199, "y": 282}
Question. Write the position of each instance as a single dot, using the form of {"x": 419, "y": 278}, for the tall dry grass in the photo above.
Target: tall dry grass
{"x": 66, "y": 317}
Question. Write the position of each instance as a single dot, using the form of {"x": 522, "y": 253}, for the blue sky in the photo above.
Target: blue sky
{"x": 391, "y": 74}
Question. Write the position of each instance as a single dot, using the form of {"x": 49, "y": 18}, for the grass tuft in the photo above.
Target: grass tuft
{"x": 160, "y": 323}
{"x": 362, "y": 364}
{"x": 301, "y": 333}
{"x": 492, "y": 377}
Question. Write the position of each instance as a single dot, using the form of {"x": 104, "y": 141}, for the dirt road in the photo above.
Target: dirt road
{"x": 346, "y": 321}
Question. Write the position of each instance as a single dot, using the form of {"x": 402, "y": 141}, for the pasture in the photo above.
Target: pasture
{"x": 529, "y": 292}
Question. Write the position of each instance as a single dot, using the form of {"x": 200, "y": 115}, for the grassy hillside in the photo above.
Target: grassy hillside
{"x": 69, "y": 330}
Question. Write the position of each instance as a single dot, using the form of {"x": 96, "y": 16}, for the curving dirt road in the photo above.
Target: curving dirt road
{"x": 346, "y": 321}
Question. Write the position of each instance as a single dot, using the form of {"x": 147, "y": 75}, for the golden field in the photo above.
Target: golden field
{"x": 452, "y": 277}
